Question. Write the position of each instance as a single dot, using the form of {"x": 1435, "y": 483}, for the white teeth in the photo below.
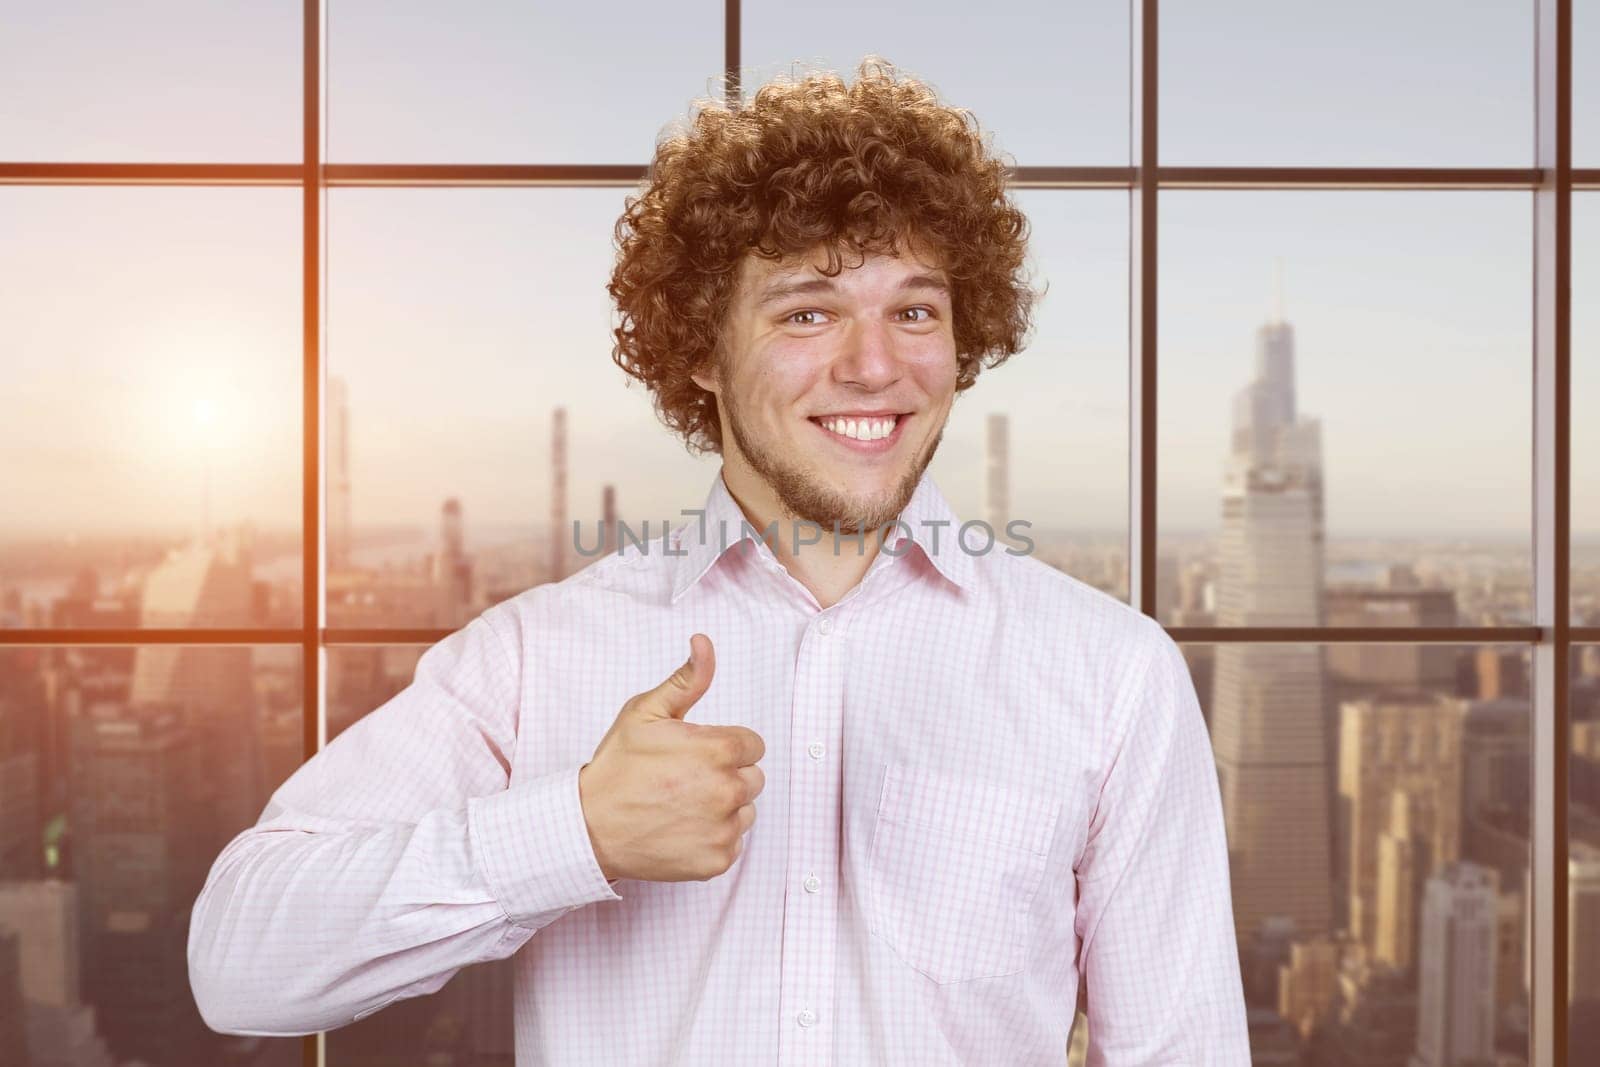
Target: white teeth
{"x": 860, "y": 429}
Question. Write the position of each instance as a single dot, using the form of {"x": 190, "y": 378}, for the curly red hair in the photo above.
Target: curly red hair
{"x": 807, "y": 165}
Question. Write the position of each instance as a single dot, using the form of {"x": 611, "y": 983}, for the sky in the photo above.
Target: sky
{"x": 152, "y": 334}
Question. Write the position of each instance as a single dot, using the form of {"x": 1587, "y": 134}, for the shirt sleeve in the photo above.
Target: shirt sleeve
{"x": 1155, "y": 912}
{"x": 395, "y": 856}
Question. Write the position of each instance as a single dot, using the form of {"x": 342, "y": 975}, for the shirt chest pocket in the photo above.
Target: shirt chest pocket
{"x": 953, "y": 869}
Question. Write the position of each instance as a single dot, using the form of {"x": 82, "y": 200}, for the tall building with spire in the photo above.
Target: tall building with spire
{"x": 1267, "y": 717}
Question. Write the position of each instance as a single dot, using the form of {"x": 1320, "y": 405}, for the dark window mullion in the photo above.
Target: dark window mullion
{"x": 311, "y": 1045}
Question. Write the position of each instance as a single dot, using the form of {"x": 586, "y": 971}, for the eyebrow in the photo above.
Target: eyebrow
{"x": 781, "y": 290}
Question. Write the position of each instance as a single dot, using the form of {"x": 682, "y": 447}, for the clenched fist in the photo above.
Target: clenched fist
{"x": 668, "y": 800}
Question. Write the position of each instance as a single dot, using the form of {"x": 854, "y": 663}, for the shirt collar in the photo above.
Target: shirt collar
{"x": 927, "y": 521}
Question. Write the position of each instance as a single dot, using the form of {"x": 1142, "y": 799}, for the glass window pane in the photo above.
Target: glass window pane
{"x": 150, "y": 457}
{"x": 123, "y": 774}
{"x": 1585, "y": 83}
{"x": 164, "y": 81}
{"x": 1377, "y": 800}
{"x": 1049, "y": 80}
{"x": 1585, "y": 575}
{"x": 1363, "y": 83}
{"x": 498, "y": 82}
{"x": 361, "y": 678}
{"x": 1583, "y": 853}
{"x": 1060, "y": 406}
{"x": 433, "y": 293}
{"x": 1356, "y": 450}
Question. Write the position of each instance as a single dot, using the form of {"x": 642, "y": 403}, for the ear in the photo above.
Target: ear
{"x": 706, "y": 381}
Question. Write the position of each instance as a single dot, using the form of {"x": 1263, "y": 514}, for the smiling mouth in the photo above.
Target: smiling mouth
{"x": 863, "y": 434}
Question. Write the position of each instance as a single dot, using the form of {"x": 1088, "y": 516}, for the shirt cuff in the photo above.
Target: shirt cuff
{"x": 532, "y": 846}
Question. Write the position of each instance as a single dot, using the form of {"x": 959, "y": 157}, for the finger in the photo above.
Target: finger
{"x": 751, "y": 748}
{"x": 755, "y": 779}
{"x": 678, "y": 693}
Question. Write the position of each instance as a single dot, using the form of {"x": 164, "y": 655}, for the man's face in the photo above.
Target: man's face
{"x": 805, "y": 356}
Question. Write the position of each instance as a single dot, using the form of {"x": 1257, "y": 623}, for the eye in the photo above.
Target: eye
{"x": 926, "y": 310}
{"x": 791, "y": 317}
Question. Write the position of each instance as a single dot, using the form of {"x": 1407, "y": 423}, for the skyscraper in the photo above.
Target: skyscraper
{"x": 1267, "y": 716}
{"x": 21, "y": 847}
{"x": 997, "y": 480}
{"x": 207, "y": 585}
{"x": 452, "y": 570}
{"x": 1455, "y": 1013}
{"x": 13, "y": 1035}
{"x": 1308, "y": 983}
{"x": 338, "y": 432}
{"x": 1406, "y": 744}
{"x": 1358, "y": 670}
{"x": 608, "y": 519}
{"x": 558, "y": 494}
{"x": 43, "y": 918}
{"x": 1583, "y": 924}
{"x": 140, "y": 865}
{"x": 1401, "y": 866}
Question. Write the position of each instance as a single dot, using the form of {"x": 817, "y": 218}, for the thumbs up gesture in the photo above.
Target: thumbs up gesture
{"x": 667, "y": 800}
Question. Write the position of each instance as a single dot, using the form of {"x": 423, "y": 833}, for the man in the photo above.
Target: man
{"x": 990, "y": 782}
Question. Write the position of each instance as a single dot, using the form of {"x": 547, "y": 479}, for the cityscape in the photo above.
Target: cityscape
{"x": 1377, "y": 797}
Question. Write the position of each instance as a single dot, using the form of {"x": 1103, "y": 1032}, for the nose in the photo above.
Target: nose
{"x": 868, "y": 359}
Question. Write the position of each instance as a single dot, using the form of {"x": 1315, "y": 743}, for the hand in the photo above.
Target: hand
{"x": 667, "y": 800}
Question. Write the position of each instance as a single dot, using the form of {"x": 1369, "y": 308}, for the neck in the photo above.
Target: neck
{"x": 828, "y": 568}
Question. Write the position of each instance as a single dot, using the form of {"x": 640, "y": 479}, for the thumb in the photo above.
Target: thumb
{"x": 675, "y": 696}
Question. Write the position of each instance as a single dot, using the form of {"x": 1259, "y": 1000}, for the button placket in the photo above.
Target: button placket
{"x": 811, "y": 917}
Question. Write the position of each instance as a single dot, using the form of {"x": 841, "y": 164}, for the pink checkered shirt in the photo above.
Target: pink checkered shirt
{"x": 984, "y": 780}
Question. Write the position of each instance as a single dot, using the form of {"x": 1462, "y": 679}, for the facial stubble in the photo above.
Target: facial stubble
{"x": 804, "y": 496}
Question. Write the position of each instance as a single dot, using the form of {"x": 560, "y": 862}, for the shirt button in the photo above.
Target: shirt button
{"x": 806, "y": 1017}
{"x": 812, "y": 883}
{"x": 814, "y": 750}
{"x": 825, "y": 625}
